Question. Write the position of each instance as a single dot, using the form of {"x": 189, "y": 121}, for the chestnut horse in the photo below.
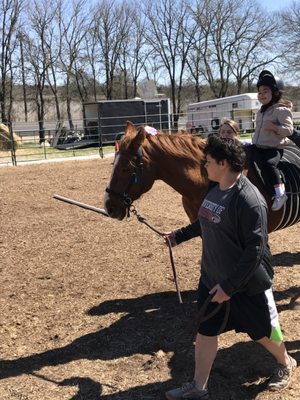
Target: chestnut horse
{"x": 178, "y": 160}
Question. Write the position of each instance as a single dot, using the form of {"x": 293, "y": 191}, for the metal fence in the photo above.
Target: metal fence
{"x": 24, "y": 143}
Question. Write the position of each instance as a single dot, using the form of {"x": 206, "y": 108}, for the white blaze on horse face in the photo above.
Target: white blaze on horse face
{"x": 115, "y": 165}
{"x": 120, "y": 175}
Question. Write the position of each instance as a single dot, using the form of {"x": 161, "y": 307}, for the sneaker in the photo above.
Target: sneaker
{"x": 279, "y": 202}
{"x": 282, "y": 376}
{"x": 187, "y": 391}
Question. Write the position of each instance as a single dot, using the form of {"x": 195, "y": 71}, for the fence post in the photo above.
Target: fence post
{"x": 44, "y": 148}
{"x": 12, "y": 144}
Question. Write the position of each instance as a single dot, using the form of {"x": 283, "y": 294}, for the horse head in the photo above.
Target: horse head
{"x": 130, "y": 177}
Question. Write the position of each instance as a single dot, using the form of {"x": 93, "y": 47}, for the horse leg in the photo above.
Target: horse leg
{"x": 294, "y": 305}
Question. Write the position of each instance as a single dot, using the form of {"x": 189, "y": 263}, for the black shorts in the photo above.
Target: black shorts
{"x": 255, "y": 315}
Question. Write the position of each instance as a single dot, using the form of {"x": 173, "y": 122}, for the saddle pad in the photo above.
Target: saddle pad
{"x": 289, "y": 167}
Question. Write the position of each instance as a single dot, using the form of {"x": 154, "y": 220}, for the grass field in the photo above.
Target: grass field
{"x": 32, "y": 151}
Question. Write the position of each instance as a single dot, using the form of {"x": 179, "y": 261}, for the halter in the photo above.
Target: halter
{"x": 136, "y": 178}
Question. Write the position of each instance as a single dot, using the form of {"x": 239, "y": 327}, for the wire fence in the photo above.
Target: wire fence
{"x": 26, "y": 142}
{"x": 23, "y": 142}
{"x": 19, "y": 145}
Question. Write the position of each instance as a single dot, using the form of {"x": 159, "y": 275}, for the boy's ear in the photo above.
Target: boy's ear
{"x": 224, "y": 163}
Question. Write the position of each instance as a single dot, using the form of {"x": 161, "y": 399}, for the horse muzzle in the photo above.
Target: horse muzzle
{"x": 115, "y": 208}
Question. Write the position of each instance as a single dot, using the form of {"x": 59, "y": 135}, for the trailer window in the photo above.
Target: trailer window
{"x": 235, "y": 105}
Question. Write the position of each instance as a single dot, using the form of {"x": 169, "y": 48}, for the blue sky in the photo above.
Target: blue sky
{"x": 275, "y": 5}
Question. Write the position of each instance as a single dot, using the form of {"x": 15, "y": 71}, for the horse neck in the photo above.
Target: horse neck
{"x": 179, "y": 171}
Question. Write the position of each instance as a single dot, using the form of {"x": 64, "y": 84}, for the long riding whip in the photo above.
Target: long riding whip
{"x": 82, "y": 205}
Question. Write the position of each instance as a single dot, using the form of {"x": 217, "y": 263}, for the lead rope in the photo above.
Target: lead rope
{"x": 192, "y": 327}
{"x": 200, "y": 317}
{"x": 142, "y": 219}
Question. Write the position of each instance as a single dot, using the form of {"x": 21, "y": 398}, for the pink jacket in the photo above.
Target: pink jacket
{"x": 279, "y": 115}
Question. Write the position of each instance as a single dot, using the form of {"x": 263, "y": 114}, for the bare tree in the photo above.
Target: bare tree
{"x": 170, "y": 34}
{"x": 9, "y": 15}
{"x": 235, "y": 39}
{"x": 112, "y": 30}
{"x": 73, "y": 26}
{"x": 290, "y": 38}
{"x": 20, "y": 38}
{"x": 254, "y": 39}
{"x": 195, "y": 63}
{"x": 134, "y": 53}
{"x": 52, "y": 45}
{"x": 153, "y": 68}
{"x": 92, "y": 55}
{"x": 36, "y": 44}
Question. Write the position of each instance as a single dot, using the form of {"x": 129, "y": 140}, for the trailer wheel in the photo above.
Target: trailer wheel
{"x": 215, "y": 124}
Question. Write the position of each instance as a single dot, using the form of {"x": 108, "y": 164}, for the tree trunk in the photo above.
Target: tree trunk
{"x": 23, "y": 81}
{"x": 71, "y": 125}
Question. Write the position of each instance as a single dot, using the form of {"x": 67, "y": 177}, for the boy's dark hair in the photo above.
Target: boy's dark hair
{"x": 227, "y": 149}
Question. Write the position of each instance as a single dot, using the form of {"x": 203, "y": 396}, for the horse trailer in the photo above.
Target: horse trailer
{"x": 104, "y": 120}
{"x": 205, "y": 117}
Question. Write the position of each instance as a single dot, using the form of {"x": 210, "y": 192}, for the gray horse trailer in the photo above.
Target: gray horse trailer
{"x": 104, "y": 120}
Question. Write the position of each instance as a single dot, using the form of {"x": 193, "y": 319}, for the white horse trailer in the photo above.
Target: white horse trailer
{"x": 205, "y": 117}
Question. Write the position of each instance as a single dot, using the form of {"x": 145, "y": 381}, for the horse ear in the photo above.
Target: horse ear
{"x": 137, "y": 136}
{"x": 130, "y": 129}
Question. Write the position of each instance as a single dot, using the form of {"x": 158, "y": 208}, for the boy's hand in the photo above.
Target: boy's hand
{"x": 219, "y": 295}
{"x": 170, "y": 237}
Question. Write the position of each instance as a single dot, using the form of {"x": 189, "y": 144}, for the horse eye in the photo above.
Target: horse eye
{"x": 126, "y": 168}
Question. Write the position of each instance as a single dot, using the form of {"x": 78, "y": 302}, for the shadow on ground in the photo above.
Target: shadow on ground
{"x": 236, "y": 373}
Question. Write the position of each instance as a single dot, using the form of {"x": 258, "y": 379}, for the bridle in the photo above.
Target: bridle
{"x": 135, "y": 179}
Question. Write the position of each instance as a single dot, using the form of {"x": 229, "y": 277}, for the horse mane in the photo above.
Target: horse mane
{"x": 179, "y": 145}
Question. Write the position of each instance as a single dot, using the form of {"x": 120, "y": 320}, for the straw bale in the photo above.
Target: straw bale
{"x": 5, "y": 140}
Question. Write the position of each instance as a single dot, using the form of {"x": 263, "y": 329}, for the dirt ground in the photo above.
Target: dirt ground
{"x": 88, "y": 305}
